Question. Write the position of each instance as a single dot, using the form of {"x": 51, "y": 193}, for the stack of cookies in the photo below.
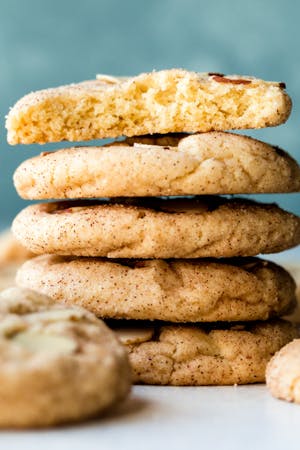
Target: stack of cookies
{"x": 155, "y": 249}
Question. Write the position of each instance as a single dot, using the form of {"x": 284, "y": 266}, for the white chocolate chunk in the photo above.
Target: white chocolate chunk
{"x": 55, "y": 315}
{"x": 150, "y": 146}
{"x": 134, "y": 335}
{"x": 109, "y": 79}
{"x": 11, "y": 324}
{"x": 42, "y": 342}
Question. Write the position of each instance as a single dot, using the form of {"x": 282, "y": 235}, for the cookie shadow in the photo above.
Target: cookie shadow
{"x": 132, "y": 406}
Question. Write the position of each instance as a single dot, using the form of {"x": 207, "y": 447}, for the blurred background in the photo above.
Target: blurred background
{"x": 48, "y": 43}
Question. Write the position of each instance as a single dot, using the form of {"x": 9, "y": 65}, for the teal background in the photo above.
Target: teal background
{"x": 47, "y": 43}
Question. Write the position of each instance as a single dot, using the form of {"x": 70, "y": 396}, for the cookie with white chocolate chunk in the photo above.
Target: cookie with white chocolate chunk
{"x": 57, "y": 364}
{"x": 166, "y": 101}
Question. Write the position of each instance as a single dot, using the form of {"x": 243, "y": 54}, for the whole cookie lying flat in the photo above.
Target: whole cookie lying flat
{"x": 157, "y": 228}
{"x": 58, "y": 364}
{"x": 207, "y": 163}
{"x": 158, "y": 102}
{"x": 203, "y": 354}
{"x": 175, "y": 291}
{"x": 283, "y": 373}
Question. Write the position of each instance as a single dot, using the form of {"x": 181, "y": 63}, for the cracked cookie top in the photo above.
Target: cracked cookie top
{"x": 209, "y": 354}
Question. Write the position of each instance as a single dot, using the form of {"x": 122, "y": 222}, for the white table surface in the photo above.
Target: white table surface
{"x": 154, "y": 418}
{"x": 179, "y": 418}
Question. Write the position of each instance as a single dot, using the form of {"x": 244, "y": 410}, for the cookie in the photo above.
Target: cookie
{"x": 11, "y": 250}
{"x": 8, "y": 275}
{"x": 12, "y": 255}
{"x": 283, "y": 373}
{"x": 207, "y": 163}
{"x": 158, "y": 102}
{"x": 294, "y": 270}
{"x": 184, "y": 355}
{"x": 157, "y": 228}
{"x": 174, "y": 290}
{"x": 58, "y": 364}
